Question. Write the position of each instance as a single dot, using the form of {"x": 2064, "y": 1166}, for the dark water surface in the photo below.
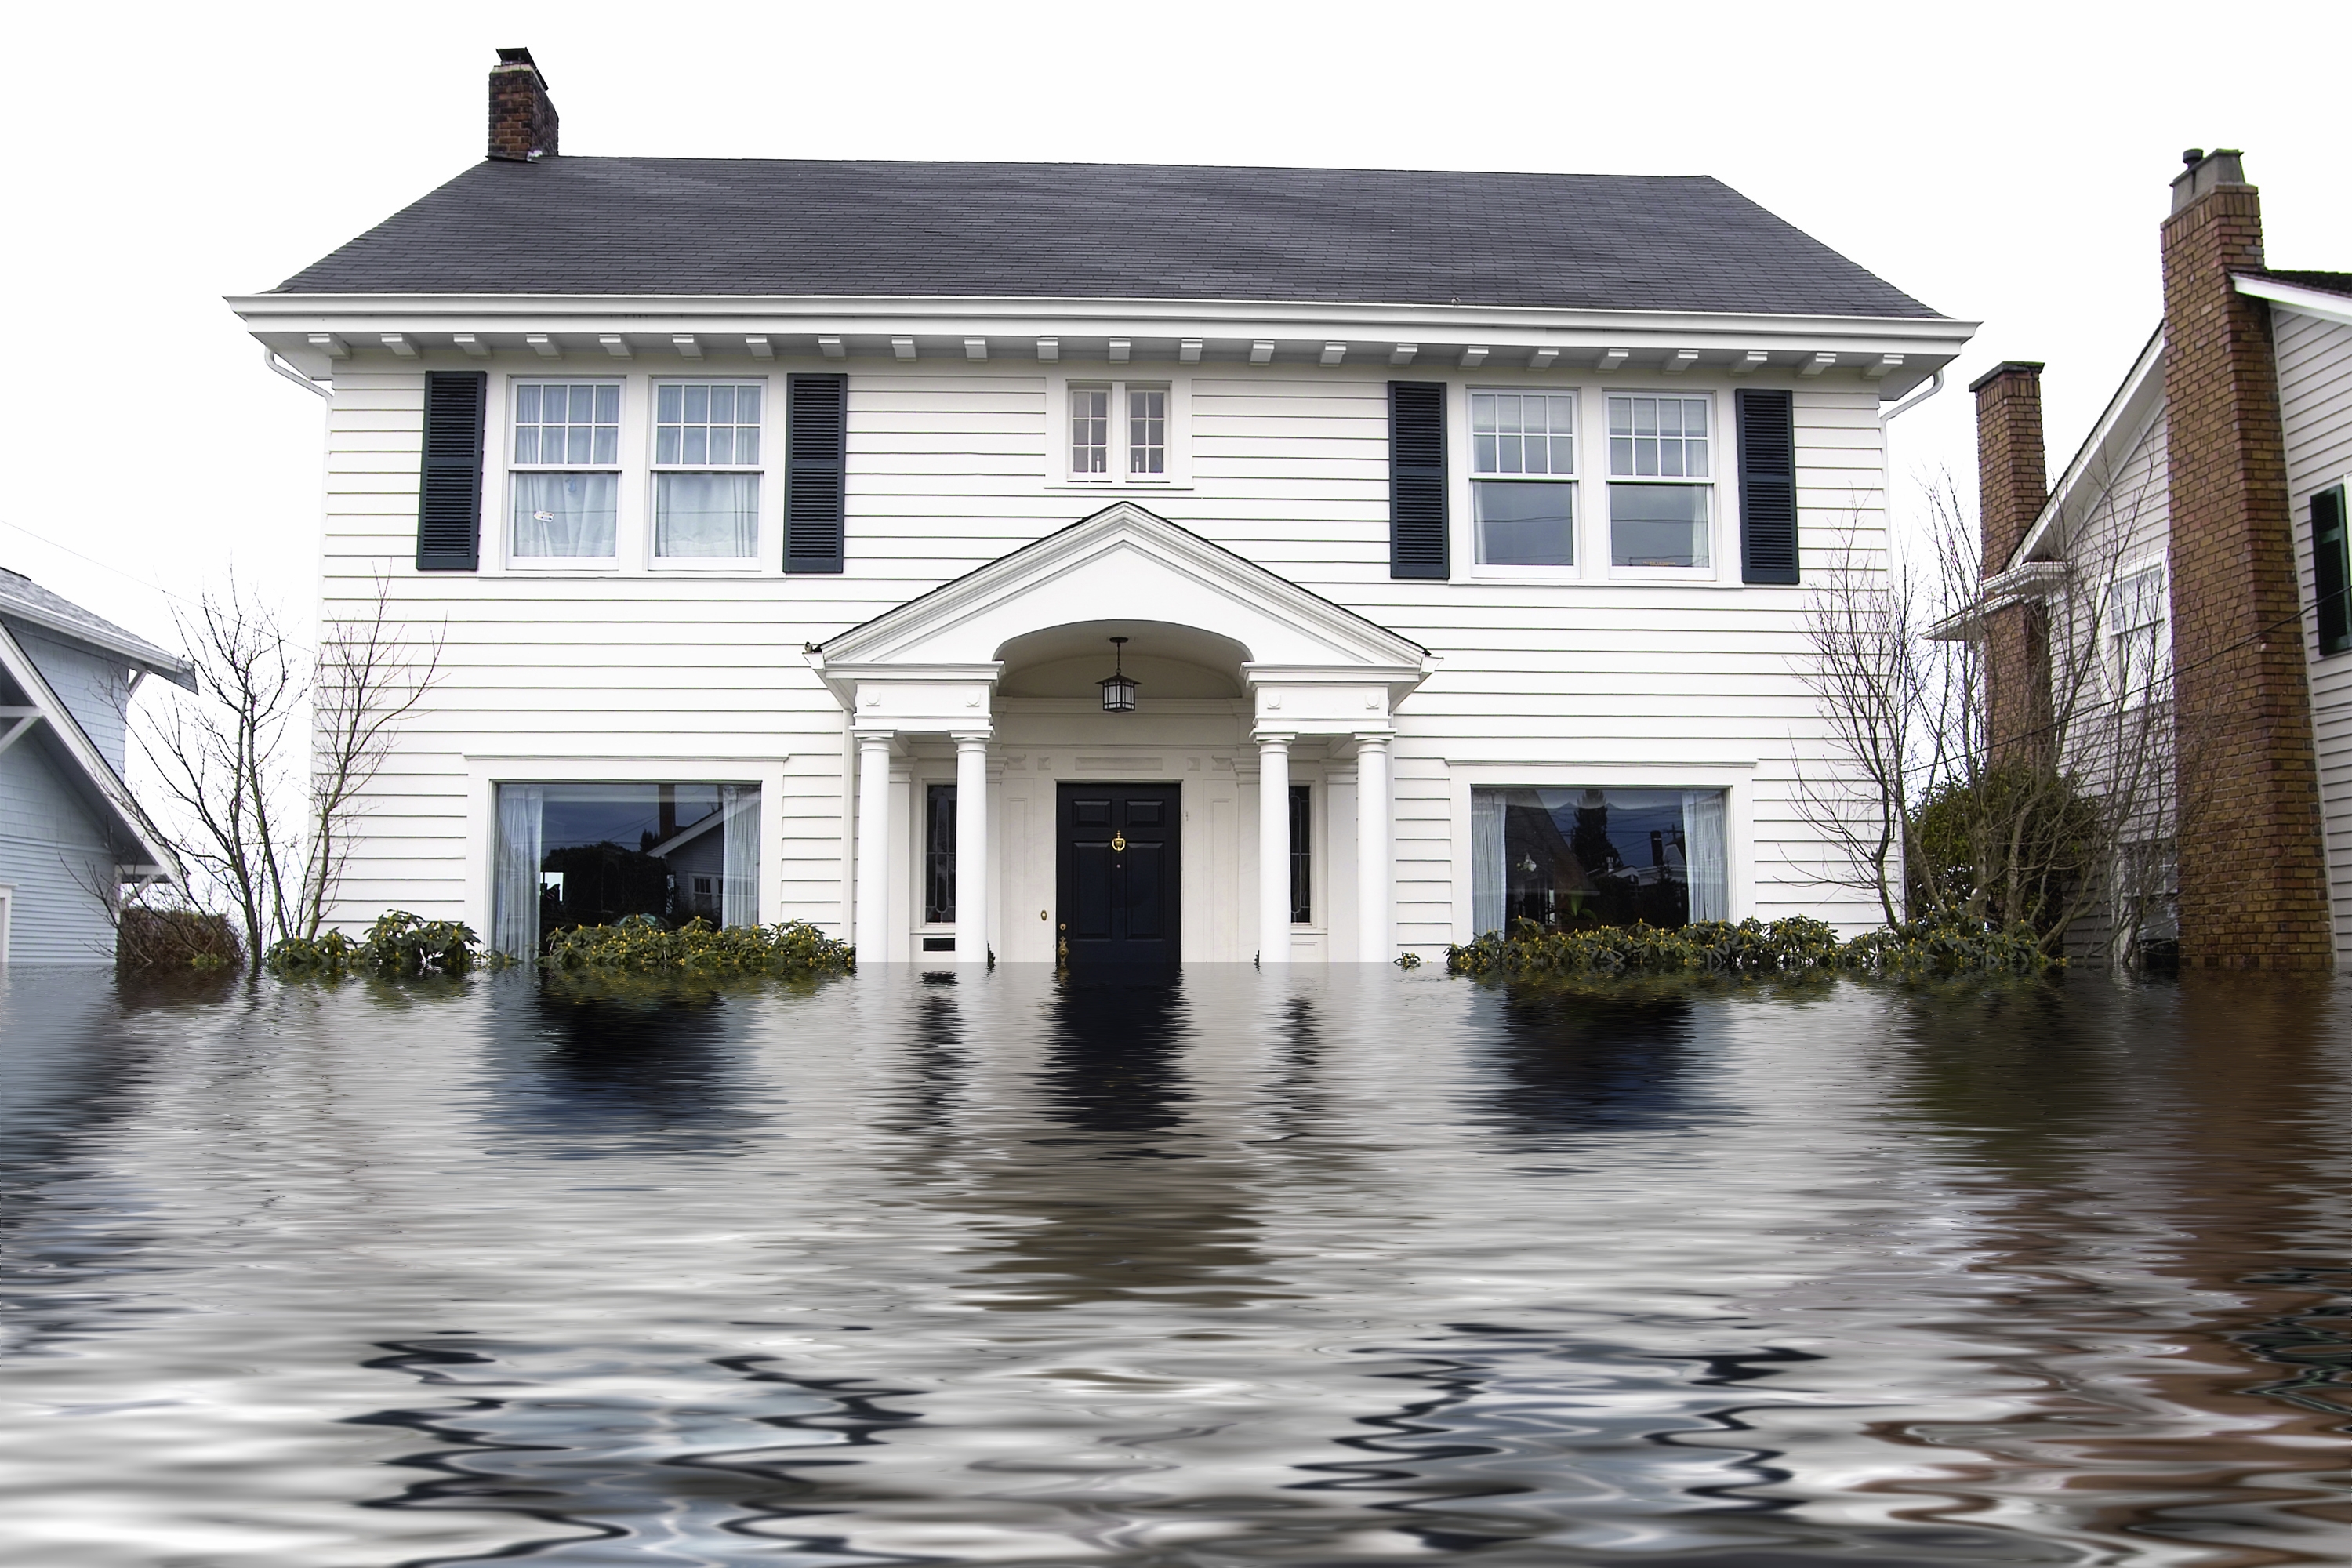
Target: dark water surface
{"x": 1310, "y": 1269}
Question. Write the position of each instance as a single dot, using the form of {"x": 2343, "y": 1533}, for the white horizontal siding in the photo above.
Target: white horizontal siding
{"x": 949, "y": 469}
{"x": 2314, "y": 362}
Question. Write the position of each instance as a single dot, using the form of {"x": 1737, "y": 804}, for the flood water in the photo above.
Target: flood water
{"x": 1265, "y": 1268}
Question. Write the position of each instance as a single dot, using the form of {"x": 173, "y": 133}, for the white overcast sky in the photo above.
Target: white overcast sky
{"x": 2006, "y": 163}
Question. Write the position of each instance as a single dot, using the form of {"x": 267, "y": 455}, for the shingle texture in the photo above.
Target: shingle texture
{"x": 37, "y": 604}
{"x": 775, "y": 226}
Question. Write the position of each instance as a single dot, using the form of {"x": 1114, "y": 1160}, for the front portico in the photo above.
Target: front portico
{"x": 1248, "y": 682}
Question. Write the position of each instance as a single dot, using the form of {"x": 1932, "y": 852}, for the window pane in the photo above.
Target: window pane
{"x": 1580, "y": 858}
{"x": 747, "y": 405}
{"x": 722, "y": 443}
{"x": 1147, "y": 434}
{"x": 747, "y": 445}
{"x": 1621, "y": 416}
{"x": 564, "y": 515}
{"x": 666, "y": 404}
{"x": 665, "y": 445}
{"x": 939, "y": 855}
{"x": 1090, "y": 429}
{"x": 526, "y": 405}
{"x": 575, "y": 444}
{"x": 591, "y": 854}
{"x": 707, "y": 516}
{"x": 698, "y": 405}
{"x": 608, "y": 445}
{"x": 695, "y": 444}
{"x": 1658, "y": 525}
{"x": 608, "y": 405}
{"x": 1302, "y": 863}
{"x": 526, "y": 444}
{"x": 1526, "y": 524}
{"x": 722, "y": 405}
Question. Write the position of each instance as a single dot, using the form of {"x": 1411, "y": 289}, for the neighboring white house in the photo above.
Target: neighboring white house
{"x": 70, "y": 832}
{"x": 2192, "y": 556}
{"x": 783, "y": 517}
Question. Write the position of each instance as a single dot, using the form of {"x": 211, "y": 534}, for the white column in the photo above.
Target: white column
{"x": 1273, "y": 849}
{"x": 1375, "y": 899}
{"x": 971, "y": 847}
{"x": 873, "y": 926}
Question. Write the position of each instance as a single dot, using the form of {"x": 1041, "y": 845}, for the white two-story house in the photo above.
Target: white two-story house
{"x": 1130, "y": 563}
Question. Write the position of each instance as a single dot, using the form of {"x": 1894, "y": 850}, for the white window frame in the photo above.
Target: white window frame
{"x": 1578, "y": 484}
{"x": 2112, "y": 631}
{"x": 628, "y": 519}
{"x": 1605, "y": 474}
{"x": 768, "y": 527}
{"x": 1120, "y": 379}
{"x": 7, "y": 916}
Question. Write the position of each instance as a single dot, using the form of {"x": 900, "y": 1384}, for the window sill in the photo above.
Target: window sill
{"x": 1116, "y": 485}
{"x": 1490, "y": 574}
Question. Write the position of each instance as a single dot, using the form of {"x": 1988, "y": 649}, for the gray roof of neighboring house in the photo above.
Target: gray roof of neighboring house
{"x": 23, "y": 599}
{"x": 746, "y": 227}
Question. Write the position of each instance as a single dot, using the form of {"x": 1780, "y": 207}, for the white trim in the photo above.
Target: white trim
{"x": 1575, "y": 483}
{"x": 7, "y": 914}
{"x": 2121, "y": 425}
{"x": 2295, "y": 297}
{"x": 1178, "y": 472}
{"x": 511, "y": 385}
{"x": 86, "y": 756}
{"x": 1603, "y": 476}
{"x": 768, "y": 524}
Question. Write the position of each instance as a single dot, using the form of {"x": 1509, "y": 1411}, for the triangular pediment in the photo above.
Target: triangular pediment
{"x": 1124, "y": 563}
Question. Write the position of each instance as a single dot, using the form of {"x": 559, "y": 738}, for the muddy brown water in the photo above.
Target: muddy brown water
{"x": 1258, "y": 1269}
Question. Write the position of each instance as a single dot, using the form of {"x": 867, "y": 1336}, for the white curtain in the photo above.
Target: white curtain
{"x": 564, "y": 515}
{"x": 514, "y": 915}
{"x": 1710, "y": 855}
{"x": 740, "y": 881}
{"x": 707, "y": 515}
{"x": 1487, "y": 868}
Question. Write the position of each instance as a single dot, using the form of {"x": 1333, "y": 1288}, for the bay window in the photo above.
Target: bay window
{"x": 564, "y": 475}
{"x": 590, "y": 854}
{"x": 1523, "y": 478}
{"x": 707, "y": 469}
{"x": 1661, "y": 482}
{"x": 1587, "y": 857}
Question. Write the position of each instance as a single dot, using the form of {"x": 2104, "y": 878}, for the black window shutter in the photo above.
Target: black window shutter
{"x": 449, "y": 490}
{"x": 2330, "y": 576}
{"x": 1767, "y": 487}
{"x": 814, "y": 493}
{"x": 1417, "y": 541}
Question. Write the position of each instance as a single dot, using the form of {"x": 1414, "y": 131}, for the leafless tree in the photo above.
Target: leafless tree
{"x": 2065, "y": 819}
{"x": 273, "y": 852}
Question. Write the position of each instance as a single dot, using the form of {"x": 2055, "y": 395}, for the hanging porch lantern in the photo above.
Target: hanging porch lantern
{"x": 1118, "y": 690}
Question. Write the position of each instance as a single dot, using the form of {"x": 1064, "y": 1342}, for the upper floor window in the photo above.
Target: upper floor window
{"x": 1523, "y": 478}
{"x": 706, "y": 465}
{"x": 566, "y": 478}
{"x": 2139, "y": 646}
{"x": 1118, "y": 430}
{"x": 1657, "y": 515}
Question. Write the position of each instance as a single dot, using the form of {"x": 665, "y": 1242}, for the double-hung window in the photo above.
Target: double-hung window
{"x": 1523, "y": 476}
{"x": 565, "y": 476}
{"x": 2139, "y": 642}
{"x": 707, "y": 466}
{"x": 1661, "y": 482}
{"x": 1118, "y": 430}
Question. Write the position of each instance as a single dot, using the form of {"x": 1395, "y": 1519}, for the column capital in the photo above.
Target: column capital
{"x": 1379, "y": 739}
{"x": 1266, "y": 739}
{"x": 965, "y": 739}
{"x": 873, "y": 735}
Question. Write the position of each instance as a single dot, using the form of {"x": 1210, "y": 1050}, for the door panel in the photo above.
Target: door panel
{"x": 1119, "y": 870}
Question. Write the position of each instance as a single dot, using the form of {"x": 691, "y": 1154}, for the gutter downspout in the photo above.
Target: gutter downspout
{"x": 280, "y": 365}
{"x": 1908, "y": 404}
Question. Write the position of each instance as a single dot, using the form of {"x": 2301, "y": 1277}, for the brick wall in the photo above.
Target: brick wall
{"x": 2252, "y": 869}
{"x": 2012, "y": 482}
{"x": 522, "y": 117}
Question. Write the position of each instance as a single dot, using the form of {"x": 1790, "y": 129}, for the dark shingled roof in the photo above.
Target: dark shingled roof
{"x": 1101, "y": 231}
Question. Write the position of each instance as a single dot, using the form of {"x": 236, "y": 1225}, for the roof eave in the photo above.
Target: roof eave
{"x": 133, "y": 651}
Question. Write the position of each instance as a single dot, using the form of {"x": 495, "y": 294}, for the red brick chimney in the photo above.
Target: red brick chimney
{"x": 2253, "y": 871}
{"x": 2012, "y": 484}
{"x": 522, "y": 117}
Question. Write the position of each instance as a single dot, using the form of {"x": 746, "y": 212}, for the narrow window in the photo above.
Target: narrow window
{"x": 566, "y": 460}
{"x": 1146, "y": 430}
{"x": 1523, "y": 471}
{"x": 939, "y": 855}
{"x": 1657, "y": 517}
{"x": 1090, "y": 429}
{"x": 706, "y": 464}
{"x": 2141, "y": 644}
{"x": 2331, "y": 569}
{"x": 1302, "y": 851}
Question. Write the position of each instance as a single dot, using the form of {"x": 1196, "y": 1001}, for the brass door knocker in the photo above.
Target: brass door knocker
{"x": 1119, "y": 841}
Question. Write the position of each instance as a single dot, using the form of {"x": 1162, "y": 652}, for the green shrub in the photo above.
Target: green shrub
{"x": 398, "y": 943}
{"x": 644, "y": 945}
{"x": 1948, "y": 945}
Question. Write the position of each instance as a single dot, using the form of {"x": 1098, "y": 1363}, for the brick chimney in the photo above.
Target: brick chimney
{"x": 2012, "y": 484}
{"x": 522, "y": 117}
{"x": 2254, "y": 872}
